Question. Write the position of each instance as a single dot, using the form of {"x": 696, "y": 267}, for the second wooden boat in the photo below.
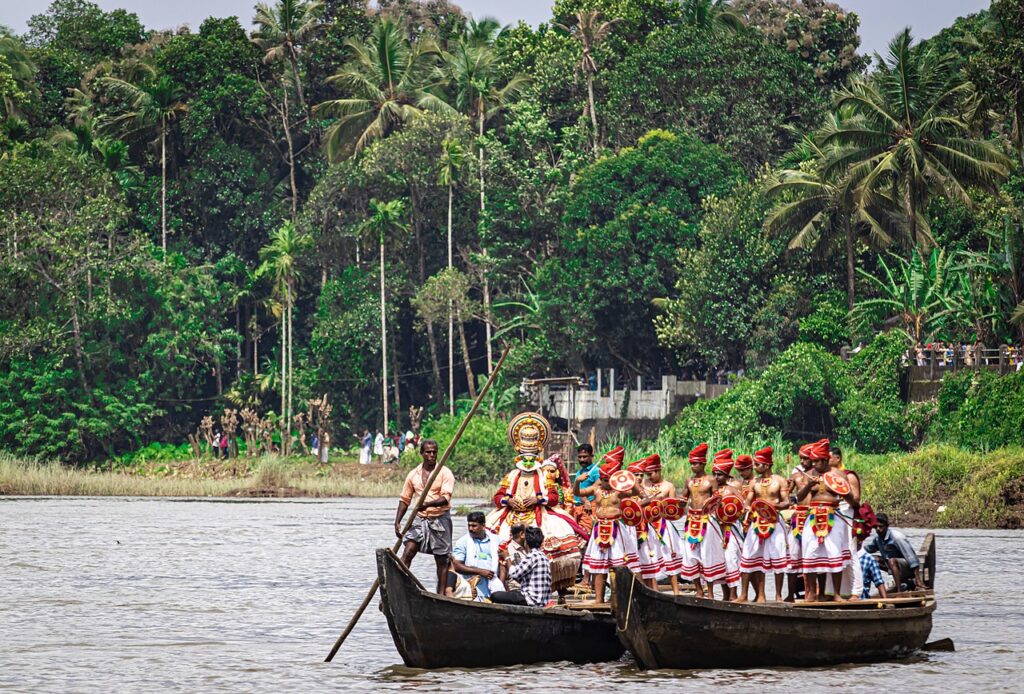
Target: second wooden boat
{"x": 684, "y": 632}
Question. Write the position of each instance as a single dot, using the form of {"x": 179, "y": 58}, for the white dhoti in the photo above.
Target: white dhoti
{"x": 795, "y": 538}
{"x": 671, "y": 547}
{"x": 651, "y": 556}
{"x": 829, "y": 553}
{"x": 731, "y": 551}
{"x": 608, "y": 547}
{"x": 769, "y": 554}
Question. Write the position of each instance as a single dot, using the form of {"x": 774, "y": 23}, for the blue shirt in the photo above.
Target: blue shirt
{"x": 894, "y": 545}
{"x": 478, "y": 554}
{"x": 592, "y": 475}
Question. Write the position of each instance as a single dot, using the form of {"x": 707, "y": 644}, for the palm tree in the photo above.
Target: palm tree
{"x": 279, "y": 258}
{"x": 149, "y": 104}
{"x": 388, "y": 82}
{"x": 908, "y": 139}
{"x": 474, "y": 72}
{"x": 710, "y": 14}
{"x": 589, "y": 30}
{"x": 450, "y": 288}
{"x": 817, "y": 208}
{"x": 452, "y": 159}
{"x": 21, "y": 69}
{"x": 385, "y": 218}
{"x": 283, "y": 28}
{"x": 482, "y": 33}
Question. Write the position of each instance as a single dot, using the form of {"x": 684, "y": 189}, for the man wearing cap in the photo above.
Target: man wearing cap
{"x": 852, "y": 578}
{"x": 825, "y": 539}
{"x": 659, "y": 489}
{"x": 610, "y": 544}
{"x": 588, "y": 476}
{"x": 764, "y": 546}
{"x": 703, "y": 556}
{"x": 730, "y": 532}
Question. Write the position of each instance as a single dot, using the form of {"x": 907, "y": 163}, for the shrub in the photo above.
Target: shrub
{"x": 980, "y": 410}
{"x": 827, "y": 323}
{"x": 483, "y": 454}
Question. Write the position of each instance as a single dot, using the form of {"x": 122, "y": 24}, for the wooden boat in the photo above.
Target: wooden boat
{"x": 434, "y": 631}
{"x": 678, "y": 631}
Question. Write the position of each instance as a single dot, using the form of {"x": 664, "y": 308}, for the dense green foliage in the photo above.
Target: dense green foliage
{"x": 980, "y": 411}
{"x": 195, "y": 220}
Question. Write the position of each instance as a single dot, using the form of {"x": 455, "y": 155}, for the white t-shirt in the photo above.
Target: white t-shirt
{"x": 480, "y": 554}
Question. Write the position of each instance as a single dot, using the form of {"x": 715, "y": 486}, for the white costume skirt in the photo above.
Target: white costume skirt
{"x": 769, "y": 555}
{"x": 829, "y": 554}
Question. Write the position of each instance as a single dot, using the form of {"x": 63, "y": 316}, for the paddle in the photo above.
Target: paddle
{"x": 423, "y": 495}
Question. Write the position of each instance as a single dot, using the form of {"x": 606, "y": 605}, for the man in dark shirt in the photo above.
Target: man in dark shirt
{"x": 898, "y": 556}
{"x": 533, "y": 573}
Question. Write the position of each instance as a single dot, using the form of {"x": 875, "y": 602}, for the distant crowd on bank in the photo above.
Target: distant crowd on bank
{"x": 386, "y": 448}
{"x": 948, "y": 354}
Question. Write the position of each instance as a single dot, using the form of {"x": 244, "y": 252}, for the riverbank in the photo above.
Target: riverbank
{"x": 268, "y": 477}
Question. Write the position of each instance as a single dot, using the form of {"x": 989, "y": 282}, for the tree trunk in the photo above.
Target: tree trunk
{"x": 593, "y": 113}
{"x": 240, "y": 344}
{"x": 284, "y": 374}
{"x": 383, "y": 339}
{"x": 394, "y": 376}
{"x": 285, "y": 119}
{"x": 451, "y": 325}
{"x": 291, "y": 369}
{"x": 850, "y": 271}
{"x": 486, "y": 283}
{"x": 76, "y": 330}
{"x": 435, "y": 369}
{"x": 298, "y": 82}
{"x": 465, "y": 354}
{"x": 163, "y": 186}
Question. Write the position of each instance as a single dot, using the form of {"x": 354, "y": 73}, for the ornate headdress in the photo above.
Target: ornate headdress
{"x": 528, "y": 432}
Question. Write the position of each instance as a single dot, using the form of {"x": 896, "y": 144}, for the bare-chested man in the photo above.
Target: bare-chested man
{"x": 699, "y": 489}
{"x": 608, "y": 545}
{"x": 648, "y": 545}
{"x": 826, "y": 536}
{"x": 797, "y": 476}
{"x": 764, "y": 547}
{"x": 658, "y": 488}
{"x": 731, "y": 533}
{"x": 853, "y": 580}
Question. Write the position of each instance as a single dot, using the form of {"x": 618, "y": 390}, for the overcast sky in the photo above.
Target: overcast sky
{"x": 880, "y": 19}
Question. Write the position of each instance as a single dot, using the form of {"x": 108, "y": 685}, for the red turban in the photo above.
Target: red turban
{"x": 652, "y": 463}
{"x": 764, "y": 456}
{"x": 615, "y": 455}
{"x": 699, "y": 454}
{"x": 805, "y": 450}
{"x": 609, "y": 468}
{"x": 820, "y": 450}
{"x": 638, "y": 467}
{"x": 723, "y": 461}
{"x": 744, "y": 462}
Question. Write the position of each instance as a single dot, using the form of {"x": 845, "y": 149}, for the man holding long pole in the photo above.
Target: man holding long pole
{"x": 431, "y": 531}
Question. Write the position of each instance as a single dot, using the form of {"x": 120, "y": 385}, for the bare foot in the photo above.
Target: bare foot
{"x": 742, "y": 598}
{"x": 791, "y": 598}
{"x": 778, "y": 598}
{"x": 762, "y": 599}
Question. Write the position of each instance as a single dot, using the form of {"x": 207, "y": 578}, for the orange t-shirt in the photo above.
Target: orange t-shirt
{"x": 444, "y": 485}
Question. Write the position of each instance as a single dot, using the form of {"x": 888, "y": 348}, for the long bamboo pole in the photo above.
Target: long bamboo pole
{"x": 423, "y": 495}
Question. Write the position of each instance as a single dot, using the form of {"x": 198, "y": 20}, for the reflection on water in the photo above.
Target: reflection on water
{"x": 138, "y": 594}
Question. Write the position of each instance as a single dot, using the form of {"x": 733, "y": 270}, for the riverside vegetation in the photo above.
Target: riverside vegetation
{"x": 362, "y": 204}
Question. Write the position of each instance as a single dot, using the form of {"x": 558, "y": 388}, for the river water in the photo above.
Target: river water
{"x": 119, "y": 595}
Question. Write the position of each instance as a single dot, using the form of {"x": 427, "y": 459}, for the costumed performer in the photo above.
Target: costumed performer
{"x": 764, "y": 546}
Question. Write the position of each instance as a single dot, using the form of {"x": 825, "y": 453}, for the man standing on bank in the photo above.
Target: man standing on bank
{"x": 431, "y": 531}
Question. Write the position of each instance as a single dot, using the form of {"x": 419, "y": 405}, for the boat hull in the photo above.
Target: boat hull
{"x": 683, "y": 632}
{"x": 433, "y": 631}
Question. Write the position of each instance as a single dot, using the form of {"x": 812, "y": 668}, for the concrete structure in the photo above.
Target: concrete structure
{"x": 610, "y": 402}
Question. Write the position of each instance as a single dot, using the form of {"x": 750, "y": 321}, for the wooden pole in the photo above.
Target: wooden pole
{"x": 423, "y": 495}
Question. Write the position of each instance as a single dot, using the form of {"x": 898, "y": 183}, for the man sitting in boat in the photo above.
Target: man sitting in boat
{"x": 612, "y": 542}
{"x": 533, "y": 573}
{"x": 525, "y": 497}
{"x": 475, "y": 557}
{"x": 897, "y": 554}
{"x": 825, "y": 541}
{"x": 764, "y": 546}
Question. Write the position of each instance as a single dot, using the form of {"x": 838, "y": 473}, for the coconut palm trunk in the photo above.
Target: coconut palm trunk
{"x": 383, "y": 339}
{"x": 291, "y": 368}
{"x": 451, "y": 322}
{"x": 593, "y": 111}
{"x": 850, "y": 270}
{"x": 486, "y": 283}
{"x": 465, "y": 354}
{"x": 284, "y": 376}
{"x": 163, "y": 185}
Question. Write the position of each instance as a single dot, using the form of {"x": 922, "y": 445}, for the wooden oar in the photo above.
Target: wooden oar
{"x": 423, "y": 495}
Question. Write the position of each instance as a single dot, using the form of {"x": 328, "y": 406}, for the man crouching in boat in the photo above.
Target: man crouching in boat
{"x": 475, "y": 557}
{"x": 764, "y": 547}
{"x": 612, "y": 542}
{"x": 533, "y": 572}
{"x": 826, "y": 534}
{"x": 431, "y": 531}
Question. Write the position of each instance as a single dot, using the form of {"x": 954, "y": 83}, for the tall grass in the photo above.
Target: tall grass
{"x": 53, "y": 479}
